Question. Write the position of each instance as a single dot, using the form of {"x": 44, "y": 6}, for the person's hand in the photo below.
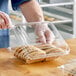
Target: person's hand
{"x": 45, "y": 35}
{"x": 5, "y": 21}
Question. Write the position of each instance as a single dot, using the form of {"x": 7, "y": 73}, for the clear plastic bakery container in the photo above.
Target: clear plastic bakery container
{"x": 23, "y": 34}
{"x": 69, "y": 68}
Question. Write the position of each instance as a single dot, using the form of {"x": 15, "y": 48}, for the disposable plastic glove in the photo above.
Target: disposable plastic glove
{"x": 45, "y": 35}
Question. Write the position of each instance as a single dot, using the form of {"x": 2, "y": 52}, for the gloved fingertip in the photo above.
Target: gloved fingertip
{"x": 43, "y": 41}
{"x": 49, "y": 42}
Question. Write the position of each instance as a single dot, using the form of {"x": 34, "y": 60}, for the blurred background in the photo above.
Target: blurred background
{"x": 59, "y": 12}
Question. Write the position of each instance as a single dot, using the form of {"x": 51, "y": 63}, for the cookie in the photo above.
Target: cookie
{"x": 30, "y": 54}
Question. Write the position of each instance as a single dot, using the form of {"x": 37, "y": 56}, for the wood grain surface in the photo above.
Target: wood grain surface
{"x": 11, "y": 66}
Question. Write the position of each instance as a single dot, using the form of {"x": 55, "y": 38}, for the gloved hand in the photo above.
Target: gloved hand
{"x": 5, "y": 21}
{"x": 45, "y": 35}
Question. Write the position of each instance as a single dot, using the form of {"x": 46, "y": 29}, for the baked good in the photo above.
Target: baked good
{"x": 52, "y": 52}
{"x": 30, "y": 54}
{"x": 15, "y": 17}
{"x": 72, "y": 72}
{"x": 47, "y": 18}
{"x": 37, "y": 53}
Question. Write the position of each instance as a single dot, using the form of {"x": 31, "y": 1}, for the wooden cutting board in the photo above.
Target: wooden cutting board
{"x": 11, "y": 66}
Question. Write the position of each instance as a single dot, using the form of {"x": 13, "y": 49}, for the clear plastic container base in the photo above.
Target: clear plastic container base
{"x": 23, "y": 34}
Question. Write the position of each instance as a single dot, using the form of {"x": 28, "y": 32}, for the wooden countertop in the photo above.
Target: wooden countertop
{"x": 10, "y": 66}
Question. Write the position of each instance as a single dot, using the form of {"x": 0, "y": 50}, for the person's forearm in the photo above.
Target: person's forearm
{"x": 32, "y": 11}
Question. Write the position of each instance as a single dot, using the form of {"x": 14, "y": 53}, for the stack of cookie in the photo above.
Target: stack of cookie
{"x": 30, "y": 54}
{"x": 52, "y": 52}
{"x": 37, "y": 53}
